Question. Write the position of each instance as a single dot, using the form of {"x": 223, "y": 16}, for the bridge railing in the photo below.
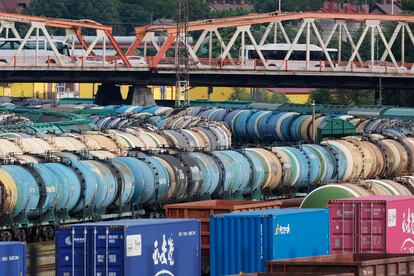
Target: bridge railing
{"x": 384, "y": 67}
{"x": 205, "y": 64}
{"x": 51, "y": 62}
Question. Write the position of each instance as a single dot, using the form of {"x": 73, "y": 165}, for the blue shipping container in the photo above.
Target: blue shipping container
{"x": 157, "y": 247}
{"x": 13, "y": 258}
{"x": 243, "y": 242}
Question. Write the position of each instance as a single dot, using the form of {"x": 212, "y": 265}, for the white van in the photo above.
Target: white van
{"x": 29, "y": 54}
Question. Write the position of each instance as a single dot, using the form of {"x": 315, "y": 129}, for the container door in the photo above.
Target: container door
{"x": 372, "y": 226}
{"x": 72, "y": 248}
{"x": 107, "y": 254}
{"x": 343, "y": 227}
{"x": 12, "y": 259}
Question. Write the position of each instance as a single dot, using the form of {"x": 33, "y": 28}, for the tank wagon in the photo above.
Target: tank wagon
{"x": 45, "y": 182}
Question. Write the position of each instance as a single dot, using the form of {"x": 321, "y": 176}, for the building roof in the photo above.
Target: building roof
{"x": 13, "y": 5}
{"x": 229, "y": 5}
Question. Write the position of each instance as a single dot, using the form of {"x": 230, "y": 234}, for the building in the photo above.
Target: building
{"x": 13, "y": 5}
{"x": 380, "y": 7}
{"x": 337, "y": 6}
{"x": 386, "y": 7}
{"x": 220, "y": 5}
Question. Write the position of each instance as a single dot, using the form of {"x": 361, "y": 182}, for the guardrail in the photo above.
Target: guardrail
{"x": 215, "y": 64}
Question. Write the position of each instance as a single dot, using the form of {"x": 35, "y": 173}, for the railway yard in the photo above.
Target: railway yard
{"x": 69, "y": 164}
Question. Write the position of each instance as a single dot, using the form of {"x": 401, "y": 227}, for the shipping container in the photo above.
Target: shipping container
{"x": 129, "y": 247}
{"x": 13, "y": 258}
{"x": 373, "y": 264}
{"x": 203, "y": 209}
{"x": 373, "y": 224}
{"x": 243, "y": 242}
{"x": 291, "y": 274}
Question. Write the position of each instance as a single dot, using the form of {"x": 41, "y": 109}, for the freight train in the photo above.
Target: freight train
{"x": 256, "y": 126}
{"x": 134, "y": 169}
{"x": 53, "y": 187}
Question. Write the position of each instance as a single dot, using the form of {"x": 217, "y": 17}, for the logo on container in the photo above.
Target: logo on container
{"x": 68, "y": 240}
{"x": 282, "y": 230}
{"x": 408, "y": 222}
{"x": 408, "y": 246}
{"x": 165, "y": 256}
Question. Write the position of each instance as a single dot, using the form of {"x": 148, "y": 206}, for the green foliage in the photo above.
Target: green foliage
{"x": 278, "y": 98}
{"x": 398, "y": 98}
{"x": 124, "y": 15}
{"x": 342, "y": 96}
{"x": 321, "y": 96}
{"x": 257, "y": 95}
{"x": 408, "y": 5}
{"x": 239, "y": 95}
{"x": 99, "y": 10}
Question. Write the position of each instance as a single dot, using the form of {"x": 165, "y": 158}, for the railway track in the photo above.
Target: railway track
{"x": 44, "y": 258}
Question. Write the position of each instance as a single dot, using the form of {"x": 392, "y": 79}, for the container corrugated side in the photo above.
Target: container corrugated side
{"x": 374, "y": 224}
{"x": 357, "y": 264}
{"x": 129, "y": 247}
{"x": 13, "y": 258}
{"x": 242, "y": 242}
{"x": 203, "y": 209}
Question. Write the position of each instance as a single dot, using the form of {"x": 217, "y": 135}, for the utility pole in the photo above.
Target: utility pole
{"x": 280, "y": 6}
{"x": 182, "y": 84}
{"x": 313, "y": 121}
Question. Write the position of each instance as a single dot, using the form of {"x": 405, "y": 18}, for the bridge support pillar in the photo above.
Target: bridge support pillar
{"x": 108, "y": 94}
{"x": 140, "y": 95}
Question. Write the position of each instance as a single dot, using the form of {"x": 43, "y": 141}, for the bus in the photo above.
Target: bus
{"x": 274, "y": 54}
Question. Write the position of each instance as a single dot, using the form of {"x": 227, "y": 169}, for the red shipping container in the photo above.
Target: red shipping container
{"x": 373, "y": 224}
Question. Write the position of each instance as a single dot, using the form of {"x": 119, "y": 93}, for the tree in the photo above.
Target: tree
{"x": 124, "y": 15}
{"x": 239, "y": 95}
{"x": 259, "y": 95}
{"x": 320, "y": 96}
{"x": 342, "y": 96}
{"x": 102, "y": 11}
{"x": 278, "y": 98}
{"x": 407, "y": 5}
{"x": 398, "y": 98}
{"x": 353, "y": 96}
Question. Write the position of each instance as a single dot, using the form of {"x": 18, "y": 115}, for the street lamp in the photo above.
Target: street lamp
{"x": 280, "y": 5}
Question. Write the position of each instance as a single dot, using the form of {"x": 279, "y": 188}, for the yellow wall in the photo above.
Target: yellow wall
{"x": 87, "y": 90}
{"x": 220, "y": 94}
{"x": 197, "y": 93}
{"x": 298, "y": 98}
{"x": 30, "y": 90}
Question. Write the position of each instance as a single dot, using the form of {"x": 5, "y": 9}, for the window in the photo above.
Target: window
{"x": 7, "y": 45}
{"x": 281, "y": 54}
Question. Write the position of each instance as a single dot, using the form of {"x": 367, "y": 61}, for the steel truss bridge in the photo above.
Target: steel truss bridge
{"x": 371, "y": 50}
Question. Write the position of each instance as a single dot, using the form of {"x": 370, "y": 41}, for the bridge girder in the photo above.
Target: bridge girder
{"x": 73, "y": 28}
{"x": 309, "y": 22}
